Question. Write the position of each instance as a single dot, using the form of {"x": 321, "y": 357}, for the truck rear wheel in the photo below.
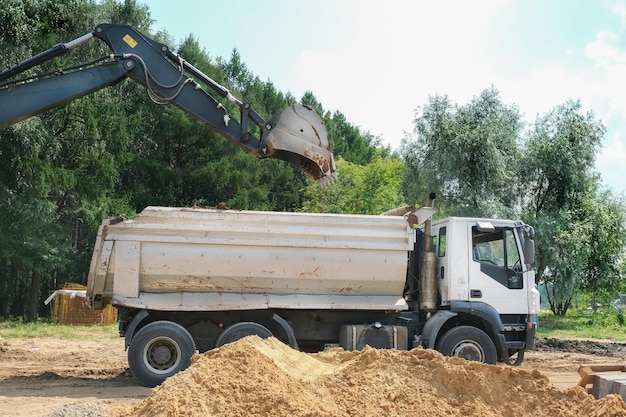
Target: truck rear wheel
{"x": 159, "y": 350}
{"x": 241, "y": 330}
{"x": 469, "y": 343}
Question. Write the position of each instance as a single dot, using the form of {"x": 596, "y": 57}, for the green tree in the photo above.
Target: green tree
{"x": 556, "y": 169}
{"x": 360, "y": 189}
{"x": 559, "y": 157}
{"x": 583, "y": 249}
{"x": 467, "y": 154}
{"x": 606, "y": 216}
{"x": 563, "y": 248}
{"x": 61, "y": 166}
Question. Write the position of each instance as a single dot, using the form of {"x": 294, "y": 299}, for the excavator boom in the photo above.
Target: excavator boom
{"x": 296, "y": 135}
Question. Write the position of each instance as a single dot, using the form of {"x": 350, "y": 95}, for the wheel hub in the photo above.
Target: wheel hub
{"x": 469, "y": 351}
{"x": 161, "y": 355}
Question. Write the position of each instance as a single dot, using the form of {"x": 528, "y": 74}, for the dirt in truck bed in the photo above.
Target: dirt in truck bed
{"x": 255, "y": 377}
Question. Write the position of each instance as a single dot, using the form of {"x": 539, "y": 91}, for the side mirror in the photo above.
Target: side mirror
{"x": 529, "y": 251}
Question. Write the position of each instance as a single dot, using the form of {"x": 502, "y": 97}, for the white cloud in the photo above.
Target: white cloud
{"x": 609, "y": 61}
{"x": 620, "y": 10}
{"x": 610, "y": 162}
{"x": 394, "y": 56}
{"x": 543, "y": 88}
{"x": 603, "y": 50}
{"x": 614, "y": 151}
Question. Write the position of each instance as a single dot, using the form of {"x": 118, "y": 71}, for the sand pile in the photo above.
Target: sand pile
{"x": 257, "y": 377}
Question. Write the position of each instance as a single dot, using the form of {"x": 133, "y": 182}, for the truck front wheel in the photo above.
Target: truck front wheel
{"x": 158, "y": 351}
{"x": 469, "y": 343}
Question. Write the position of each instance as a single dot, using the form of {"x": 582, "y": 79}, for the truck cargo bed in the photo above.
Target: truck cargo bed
{"x": 210, "y": 259}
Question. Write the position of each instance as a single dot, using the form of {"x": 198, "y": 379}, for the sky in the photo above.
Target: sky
{"x": 378, "y": 61}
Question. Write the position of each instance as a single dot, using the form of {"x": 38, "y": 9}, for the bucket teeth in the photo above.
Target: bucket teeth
{"x": 299, "y": 136}
{"x": 327, "y": 180}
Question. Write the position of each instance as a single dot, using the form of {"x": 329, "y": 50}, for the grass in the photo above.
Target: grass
{"x": 18, "y": 328}
{"x": 603, "y": 324}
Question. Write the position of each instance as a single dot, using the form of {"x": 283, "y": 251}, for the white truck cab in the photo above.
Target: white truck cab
{"x": 486, "y": 263}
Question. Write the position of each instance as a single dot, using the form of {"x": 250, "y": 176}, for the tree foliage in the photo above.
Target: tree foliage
{"x": 372, "y": 188}
{"x": 467, "y": 154}
{"x": 604, "y": 264}
{"x": 115, "y": 151}
{"x": 559, "y": 157}
{"x": 557, "y": 170}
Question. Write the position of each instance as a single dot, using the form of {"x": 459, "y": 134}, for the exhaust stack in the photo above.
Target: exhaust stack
{"x": 428, "y": 267}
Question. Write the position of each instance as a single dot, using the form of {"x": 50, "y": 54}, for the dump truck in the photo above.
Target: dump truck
{"x": 194, "y": 279}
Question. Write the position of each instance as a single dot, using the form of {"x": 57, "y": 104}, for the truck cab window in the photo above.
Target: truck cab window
{"x": 499, "y": 258}
{"x": 441, "y": 242}
{"x": 513, "y": 259}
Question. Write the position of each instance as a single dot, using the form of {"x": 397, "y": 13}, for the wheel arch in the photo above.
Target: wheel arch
{"x": 470, "y": 313}
{"x": 433, "y": 326}
{"x": 133, "y": 326}
{"x": 484, "y": 317}
{"x": 284, "y": 324}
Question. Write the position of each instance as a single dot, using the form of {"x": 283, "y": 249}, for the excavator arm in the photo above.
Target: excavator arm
{"x": 296, "y": 135}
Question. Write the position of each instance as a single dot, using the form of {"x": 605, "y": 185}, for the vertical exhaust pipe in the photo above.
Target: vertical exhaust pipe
{"x": 428, "y": 267}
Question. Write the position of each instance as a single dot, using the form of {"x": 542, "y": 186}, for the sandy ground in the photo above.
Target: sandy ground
{"x": 42, "y": 376}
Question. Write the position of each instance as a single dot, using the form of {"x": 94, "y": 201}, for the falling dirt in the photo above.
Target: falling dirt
{"x": 53, "y": 377}
{"x": 257, "y": 377}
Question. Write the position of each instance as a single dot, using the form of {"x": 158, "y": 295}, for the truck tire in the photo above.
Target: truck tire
{"x": 158, "y": 351}
{"x": 241, "y": 330}
{"x": 469, "y": 343}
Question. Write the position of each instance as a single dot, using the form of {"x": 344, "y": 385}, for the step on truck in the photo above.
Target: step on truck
{"x": 192, "y": 279}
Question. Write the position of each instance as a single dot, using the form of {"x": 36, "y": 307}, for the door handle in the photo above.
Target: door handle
{"x": 476, "y": 293}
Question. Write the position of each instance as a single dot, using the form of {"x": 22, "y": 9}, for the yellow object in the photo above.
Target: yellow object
{"x": 68, "y": 307}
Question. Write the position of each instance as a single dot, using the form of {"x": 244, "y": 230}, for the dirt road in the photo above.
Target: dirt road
{"x": 42, "y": 376}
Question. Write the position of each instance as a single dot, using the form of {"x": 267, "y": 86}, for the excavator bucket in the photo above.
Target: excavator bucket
{"x": 298, "y": 135}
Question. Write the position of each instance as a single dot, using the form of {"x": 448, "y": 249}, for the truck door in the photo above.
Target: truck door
{"x": 495, "y": 268}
